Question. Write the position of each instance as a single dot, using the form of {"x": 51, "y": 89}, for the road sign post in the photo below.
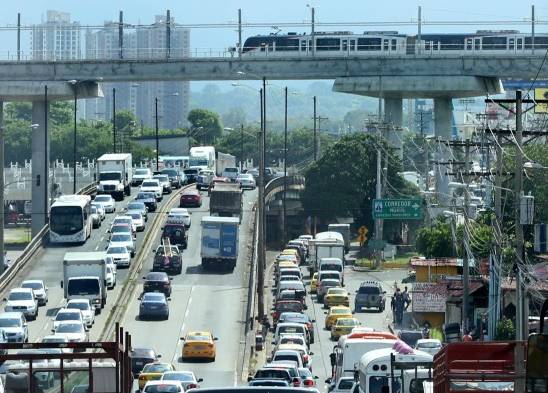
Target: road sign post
{"x": 397, "y": 209}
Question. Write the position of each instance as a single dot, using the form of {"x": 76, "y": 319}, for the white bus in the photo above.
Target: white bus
{"x": 203, "y": 157}
{"x": 70, "y": 219}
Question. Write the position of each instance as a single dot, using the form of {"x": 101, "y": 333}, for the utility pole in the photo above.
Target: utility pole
{"x": 312, "y": 34}
{"x": 156, "y": 127}
{"x": 74, "y": 147}
{"x": 466, "y": 242}
{"x": 114, "y": 118}
{"x": 315, "y": 136}
{"x": 240, "y": 32}
{"x": 285, "y": 172}
{"x": 241, "y": 146}
{"x": 168, "y": 34}
{"x": 522, "y": 330}
{"x": 18, "y": 42}
{"x": 120, "y": 36}
{"x": 261, "y": 239}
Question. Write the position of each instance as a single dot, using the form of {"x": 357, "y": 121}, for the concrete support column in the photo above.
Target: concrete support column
{"x": 40, "y": 168}
{"x": 393, "y": 114}
{"x": 442, "y": 126}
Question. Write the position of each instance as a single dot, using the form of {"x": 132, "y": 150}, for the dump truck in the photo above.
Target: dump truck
{"x": 226, "y": 200}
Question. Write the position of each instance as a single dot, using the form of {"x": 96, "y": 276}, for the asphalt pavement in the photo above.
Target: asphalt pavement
{"x": 323, "y": 345}
{"x": 213, "y": 301}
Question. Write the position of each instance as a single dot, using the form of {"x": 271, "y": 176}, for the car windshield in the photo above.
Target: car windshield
{"x": 346, "y": 384}
{"x": 198, "y": 337}
{"x": 163, "y": 178}
{"x": 150, "y": 184}
{"x": 78, "y": 305}
{"x": 120, "y": 238}
{"x": 153, "y": 298}
{"x": 103, "y": 198}
{"x": 67, "y": 316}
{"x": 70, "y": 328}
{"x": 136, "y": 216}
{"x": 170, "y": 172}
{"x": 339, "y": 311}
{"x": 135, "y": 206}
{"x": 191, "y": 171}
{"x": 120, "y": 228}
{"x": 20, "y": 296}
{"x": 291, "y": 329}
{"x": 369, "y": 291}
{"x": 162, "y": 389}
{"x": 9, "y": 322}
{"x": 185, "y": 377}
{"x": 141, "y": 172}
{"x": 155, "y": 368}
{"x": 145, "y": 195}
{"x": 117, "y": 250}
{"x": 32, "y": 285}
{"x": 93, "y": 209}
{"x": 292, "y": 340}
{"x": 54, "y": 340}
{"x": 336, "y": 291}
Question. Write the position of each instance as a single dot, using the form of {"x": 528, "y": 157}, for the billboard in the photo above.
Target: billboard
{"x": 429, "y": 297}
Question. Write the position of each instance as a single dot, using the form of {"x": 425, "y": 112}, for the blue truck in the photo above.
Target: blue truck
{"x": 219, "y": 242}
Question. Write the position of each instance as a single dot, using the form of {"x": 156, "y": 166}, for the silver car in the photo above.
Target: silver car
{"x": 95, "y": 217}
{"x": 164, "y": 182}
{"x": 39, "y": 288}
{"x": 107, "y": 201}
{"x": 138, "y": 220}
{"x": 123, "y": 240}
{"x": 100, "y": 209}
{"x": 14, "y": 326}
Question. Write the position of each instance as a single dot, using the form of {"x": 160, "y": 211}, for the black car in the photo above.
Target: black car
{"x": 154, "y": 305}
{"x": 191, "y": 174}
{"x": 149, "y": 199}
{"x": 174, "y": 177}
{"x": 157, "y": 282}
{"x": 140, "y": 357}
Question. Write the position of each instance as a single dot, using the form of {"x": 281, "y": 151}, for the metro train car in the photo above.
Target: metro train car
{"x": 374, "y": 43}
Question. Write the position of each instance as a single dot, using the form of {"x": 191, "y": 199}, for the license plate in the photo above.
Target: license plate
{"x": 139, "y": 363}
{"x": 199, "y": 347}
{"x": 153, "y": 307}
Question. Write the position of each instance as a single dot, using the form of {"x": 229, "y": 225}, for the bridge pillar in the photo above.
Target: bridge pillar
{"x": 393, "y": 114}
{"x": 40, "y": 167}
{"x": 443, "y": 110}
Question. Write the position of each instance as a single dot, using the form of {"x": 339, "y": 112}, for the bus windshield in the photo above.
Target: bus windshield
{"x": 66, "y": 220}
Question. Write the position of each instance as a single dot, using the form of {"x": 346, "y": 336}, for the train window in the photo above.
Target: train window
{"x": 352, "y": 44}
{"x": 284, "y": 44}
{"x": 494, "y": 43}
{"x": 520, "y": 43}
{"x": 393, "y": 45}
{"x": 477, "y": 44}
{"x": 344, "y": 45}
{"x": 511, "y": 43}
{"x": 303, "y": 46}
{"x": 385, "y": 45}
{"x": 369, "y": 44}
{"x": 451, "y": 43}
{"x": 328, "y": 44}
{"x": 469, "y": 44}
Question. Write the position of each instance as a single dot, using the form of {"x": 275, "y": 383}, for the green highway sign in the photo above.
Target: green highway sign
{"x": 397, "y": 209}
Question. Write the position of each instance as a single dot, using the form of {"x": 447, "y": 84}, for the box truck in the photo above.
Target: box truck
{"x": 344, "y": 230}
{"x": 84, "y": 276}
{"x": 114, "y": 175}
{"x": 219, "y": 242}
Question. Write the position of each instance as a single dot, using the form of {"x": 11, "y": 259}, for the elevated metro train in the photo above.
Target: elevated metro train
{"x": 374, "y": 43}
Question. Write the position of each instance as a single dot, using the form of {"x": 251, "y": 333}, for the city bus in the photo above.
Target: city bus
{"x": 70, "y": 219}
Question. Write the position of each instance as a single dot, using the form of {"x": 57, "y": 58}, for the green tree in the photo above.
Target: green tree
{"x": 206, "y": 125}
{"x": 18, "y": 111}
{"x": 342, "y": 182}
{"x": 435, "y": 241}
{"x": 505, "y": 330}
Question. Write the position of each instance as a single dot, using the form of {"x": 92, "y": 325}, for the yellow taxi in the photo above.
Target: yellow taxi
{"x": 290, "y": 251}
{"x": 335, "y": 313}
{"x": 153, "y": 372}
{"x": 336, "y": 297}
{"x": 199, "y": 345}
{"x": 343, "y": 326}
{"x": 314, "y": 283}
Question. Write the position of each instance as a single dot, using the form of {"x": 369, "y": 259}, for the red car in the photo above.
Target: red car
{"x": 190, "y": 198}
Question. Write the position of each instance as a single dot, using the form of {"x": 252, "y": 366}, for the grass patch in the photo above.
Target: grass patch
{"x": 399, "y": 262}
{"x": 17, "y": 235}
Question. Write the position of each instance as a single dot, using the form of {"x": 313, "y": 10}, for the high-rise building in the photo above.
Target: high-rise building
{"x": 147, "y": 43}
{"x": 56, "y": 39}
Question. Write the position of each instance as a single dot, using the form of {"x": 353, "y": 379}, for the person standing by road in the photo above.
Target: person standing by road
{"x": 399, "y": 306}
{"x": 406, "y": 298}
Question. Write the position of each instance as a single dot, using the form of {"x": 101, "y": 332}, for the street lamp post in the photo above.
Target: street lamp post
{"x": 74, "y": 83}
{"x": 285, "y": 169}
{"x": 156, "y": 126}
{"x": 114, "y": 119}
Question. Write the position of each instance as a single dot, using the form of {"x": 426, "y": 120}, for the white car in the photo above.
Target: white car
{"x": 67, "y": 315}
{"x": 107, "y": 201}
{"x": 138, "y": 220}
{"x": 14, "y": 326}
{"x": 22, "y": 300}
{"x": 246, "y": 181}
{"x": 73, "y": 331}
{"x": 153, "y": 185}
{"x": 178, "y": 214}
{"x": 187, "y": 378}
{"x": 95, "y": 217}
{"x": 139, "y": 175}
{"x": 85, "y": 307}
{"x": 123, "y": 240}
{"x": 231, "y": 173}
{"x": 343, "y": 385}
{"x": 100, "y": 209}
{"x": 428, "y": 345}
{"x": 120, "y": 255}
{"x": 125, "y": 219}
{"x": 164, "y": 182}
{"x": 154, "y": 387}
{"x": 39, "y": 288}
{"x": 110, "y": 277}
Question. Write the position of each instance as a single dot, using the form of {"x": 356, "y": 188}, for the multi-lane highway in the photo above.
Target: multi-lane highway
{"x": 200, "y": 300}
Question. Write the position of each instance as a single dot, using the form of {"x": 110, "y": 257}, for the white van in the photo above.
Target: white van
{"x": 291, "y": 328}
{"x": 332, "y": 264}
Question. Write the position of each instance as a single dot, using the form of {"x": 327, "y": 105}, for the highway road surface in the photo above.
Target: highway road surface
{"x": 213, "y": 301}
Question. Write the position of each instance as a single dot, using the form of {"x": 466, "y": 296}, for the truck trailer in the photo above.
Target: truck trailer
{"x": 219, "y": 242}
{"x": 114, "y": 175}
{"x": 344, "y": 230}
{"x": 84, "y": 276}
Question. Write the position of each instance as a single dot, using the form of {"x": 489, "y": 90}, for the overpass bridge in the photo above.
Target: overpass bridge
{"x": 392, "y": 77}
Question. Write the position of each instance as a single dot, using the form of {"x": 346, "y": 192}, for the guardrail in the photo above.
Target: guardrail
{"x": 274, "y": 185}
{"x": 35, "y": 244}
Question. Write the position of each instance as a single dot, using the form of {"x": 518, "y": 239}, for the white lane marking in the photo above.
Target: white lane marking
{"x": 102, "y": 238}
{"x": 97, "y": 247}
{"x": 178, "y": 346}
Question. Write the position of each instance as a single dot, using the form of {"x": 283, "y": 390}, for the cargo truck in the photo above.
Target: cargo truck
{"x": 84, "y": 276}
{"x": 325, "y": 245}
{"x": 114, "y": 175}
{"x": 226, "y": 200}
{"x": 219, "y": 242}
{"x": 224, "y": 161}
{"x": 344, "y": 230}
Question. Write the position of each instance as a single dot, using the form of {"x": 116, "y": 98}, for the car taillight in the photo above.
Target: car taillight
{"x": 210, "y": 345}
{"x": 192, "y": 386}
{"x": 308, "y": 382}
{"x": 296, "y": 382}
{"x": 166, "y": 284}
{"x": 305, "y": 358}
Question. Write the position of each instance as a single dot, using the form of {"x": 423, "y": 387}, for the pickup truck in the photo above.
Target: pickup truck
{"x": 167, "y": 258}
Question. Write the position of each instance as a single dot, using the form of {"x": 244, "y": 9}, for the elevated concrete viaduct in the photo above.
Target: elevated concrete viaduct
{"x": 392, "y": 77}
